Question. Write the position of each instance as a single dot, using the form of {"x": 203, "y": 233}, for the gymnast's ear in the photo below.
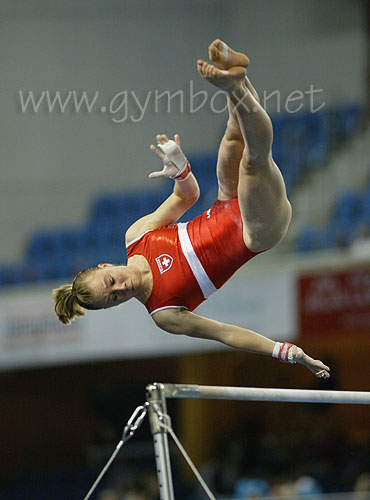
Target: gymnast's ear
{"x": 105, "y": 265}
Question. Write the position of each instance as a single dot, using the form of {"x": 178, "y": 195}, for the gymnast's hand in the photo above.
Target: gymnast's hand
{"x": 316, "y": 366}
{"x": 175, "y": 163}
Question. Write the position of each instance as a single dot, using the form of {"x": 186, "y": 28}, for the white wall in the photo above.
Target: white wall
{"x": 52, "y": 164}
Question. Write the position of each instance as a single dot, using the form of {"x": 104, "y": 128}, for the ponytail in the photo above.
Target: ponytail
{"x": 66, "y": 304}
{"x": 70, "y": 299}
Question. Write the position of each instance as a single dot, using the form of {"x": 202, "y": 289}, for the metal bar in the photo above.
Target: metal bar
{"x": 263, "y": 394}
{"x": 157, "y": 404}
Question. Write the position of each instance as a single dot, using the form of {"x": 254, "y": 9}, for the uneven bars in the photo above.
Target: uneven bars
{"x": 263, "y": 394}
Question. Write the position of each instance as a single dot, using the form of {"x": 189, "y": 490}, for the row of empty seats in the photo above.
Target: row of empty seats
{"x": 350, "y": 220}
{"x": 302, "y": 141}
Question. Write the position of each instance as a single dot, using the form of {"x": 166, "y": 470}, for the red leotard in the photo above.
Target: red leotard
{"x": 190, "y": 261}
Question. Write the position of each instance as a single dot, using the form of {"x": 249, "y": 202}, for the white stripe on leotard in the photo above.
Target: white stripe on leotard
{"x": 200, "y": 274}
{"x": 167, "y": 307}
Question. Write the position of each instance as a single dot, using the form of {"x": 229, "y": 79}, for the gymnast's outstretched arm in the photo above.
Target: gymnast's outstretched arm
{"x": 185, "y": 192}
{"x": 182, "y": 321}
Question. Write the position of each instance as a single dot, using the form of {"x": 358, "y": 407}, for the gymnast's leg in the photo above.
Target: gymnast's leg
{"x": 229, "y": 156}
{"x": 232, "y": 144}
{"x": 265, "y": 208}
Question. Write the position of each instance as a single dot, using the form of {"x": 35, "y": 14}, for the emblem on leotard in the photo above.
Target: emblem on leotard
{"x": 209, "y": 213}
{"x": 164, "y": 262}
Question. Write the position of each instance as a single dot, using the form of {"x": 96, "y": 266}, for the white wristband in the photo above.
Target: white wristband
{"x": 275, "y": 352}
{"x": 284, "y": 352}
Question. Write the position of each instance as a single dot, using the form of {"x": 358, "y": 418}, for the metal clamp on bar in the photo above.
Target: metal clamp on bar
{"x": 134, "y": 422}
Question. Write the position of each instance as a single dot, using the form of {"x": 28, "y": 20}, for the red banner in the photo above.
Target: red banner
{"x": 334, "y": 301}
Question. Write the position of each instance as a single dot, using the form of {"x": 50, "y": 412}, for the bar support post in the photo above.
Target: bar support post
{"x": 157, "y": 406}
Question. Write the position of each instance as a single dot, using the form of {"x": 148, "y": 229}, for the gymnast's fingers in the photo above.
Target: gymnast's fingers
{"x": 322, "y": 374}
{"x": 154, "y": 175}
{"x": 157, "y": 151}
{"x": 162, "y": 138}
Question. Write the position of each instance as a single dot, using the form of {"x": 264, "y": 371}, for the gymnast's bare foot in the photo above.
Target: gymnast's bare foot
{"x": 224, "y": 57}
{"x": 228, "y": 80}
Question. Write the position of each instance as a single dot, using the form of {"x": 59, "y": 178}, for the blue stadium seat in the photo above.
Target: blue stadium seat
{"x": 103, "y": 207}
{"x": 128, "y": 207}
{"x": 17, "y": 273}
{"x": 105, "y": 243}
{"x": 59, "y": 244}
{"x": 294, "y": 133}
{"x": 365, "y": 208}
{"x": 278, "y": 124}
{"x": 348, "y": 120}
{"x": 4, "y": 276}
{"x": 204, "y": 167}
{"x": 338, "y": 234}
{"x": 309, "y": 239}
{"x": 150, "y": 201}
{"x": 348, "y": 206}
{"x": 125, "y": 208}
{"x": 320, "y": 137}
{"x": 52, "y": 270}
{"x": 289, "y": 146}
{"x": 40, "y": 246}
{"x": 193, "y": 212}
{"x": 69, "y": 241}
{"x": 204, "y": 162}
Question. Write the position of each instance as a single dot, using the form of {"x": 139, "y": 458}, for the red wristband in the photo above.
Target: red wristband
{"x": 184, "y": 173}
{"x": 284, "y": 351}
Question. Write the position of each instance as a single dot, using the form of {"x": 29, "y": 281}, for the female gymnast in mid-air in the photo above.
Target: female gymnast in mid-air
{"x": 172, "y": 268}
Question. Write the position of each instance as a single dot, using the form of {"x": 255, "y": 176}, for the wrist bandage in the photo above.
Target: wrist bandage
{"x": 176, "y": 158}
{"x": 184, "y": 174}
{"x": 284, "y": 352}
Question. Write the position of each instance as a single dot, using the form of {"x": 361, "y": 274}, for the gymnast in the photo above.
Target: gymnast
{"x": 172, "y": 268}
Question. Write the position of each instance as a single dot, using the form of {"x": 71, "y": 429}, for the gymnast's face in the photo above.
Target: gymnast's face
{"x": 112, "y": 285}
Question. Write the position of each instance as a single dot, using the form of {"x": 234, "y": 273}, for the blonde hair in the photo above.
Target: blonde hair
{"x": 70, "y": 299}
